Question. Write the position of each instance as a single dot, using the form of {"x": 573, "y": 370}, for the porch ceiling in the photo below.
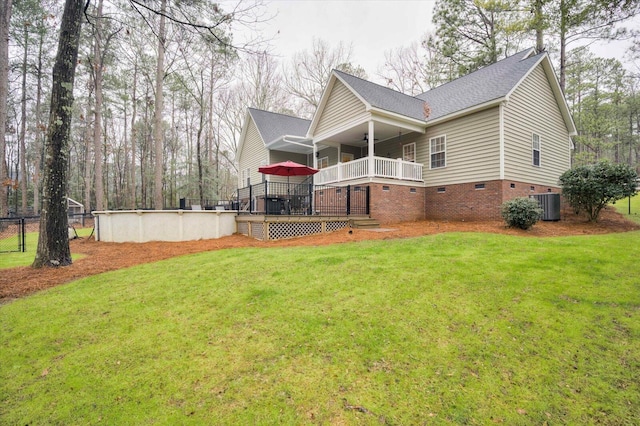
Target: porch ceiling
{"x": 354, "y": 136}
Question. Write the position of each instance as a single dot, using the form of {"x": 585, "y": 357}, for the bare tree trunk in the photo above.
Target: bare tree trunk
{"x": 539, "y": 23}
{"x": 172, "y": 164}
{"x": 97, "y": 124}
{"x": 105, "y": 165}
{"x": 23, "y": 126}
{"x": 125, "y": 164}
{"x": 211, "y": 133}
{"x": 630, "y": 137}
{"x": 157, "y": 122}
{"x": 144, "y": 144}
{"x": 53, "y": 240}
{"x": 132, "y": 169}
{"x": 217, "y": 167}
{"x": 199, "y": 155}
{"x": 5, "y": 19}
{"x": 87, "y": 154}
{"x": 38, "y": 136}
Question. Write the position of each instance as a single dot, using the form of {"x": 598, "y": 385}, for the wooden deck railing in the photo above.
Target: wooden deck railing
{"x": 383, "y": 167}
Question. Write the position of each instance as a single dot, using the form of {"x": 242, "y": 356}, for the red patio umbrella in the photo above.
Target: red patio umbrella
{"x": 288, "y": 168}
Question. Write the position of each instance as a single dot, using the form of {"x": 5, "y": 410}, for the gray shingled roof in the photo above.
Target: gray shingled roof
{"x": 272, "y": 125}
{"x": 489, "y": 83}
{"x": 383, "y": 97}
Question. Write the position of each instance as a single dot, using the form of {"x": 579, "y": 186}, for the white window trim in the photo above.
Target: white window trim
{"x": 533, "y": 150}
{"x": 320, "y": 160}
{"x": 431, "y": 153}
{"x": 404, "y": 157}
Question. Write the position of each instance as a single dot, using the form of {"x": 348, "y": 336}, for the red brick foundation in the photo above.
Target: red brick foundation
{"x": 462, "y": 202}
{"x": 396, "y": 203}
{"x": 476, "y": 200}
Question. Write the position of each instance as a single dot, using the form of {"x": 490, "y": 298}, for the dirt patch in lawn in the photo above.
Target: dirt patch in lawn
{"x": 102, "y": 257}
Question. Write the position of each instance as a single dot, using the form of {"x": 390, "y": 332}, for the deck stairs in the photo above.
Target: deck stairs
{"x": 364, "y": 223}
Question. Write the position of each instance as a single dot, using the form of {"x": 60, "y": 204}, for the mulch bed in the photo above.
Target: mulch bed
{"x": 103, "y": 257}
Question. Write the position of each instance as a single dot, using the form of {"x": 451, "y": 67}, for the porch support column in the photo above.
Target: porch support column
{"x": 371, "y": 162}
{"x": 315, "y": 155}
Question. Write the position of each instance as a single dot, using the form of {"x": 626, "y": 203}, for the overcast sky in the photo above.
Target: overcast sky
{"x": 370, "y": 26}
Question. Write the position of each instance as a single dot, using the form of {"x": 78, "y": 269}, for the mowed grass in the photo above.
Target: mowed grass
{"x": 622, "y": 206}
{"x": 15, "y": 259}
{"x": 455, "y": 328}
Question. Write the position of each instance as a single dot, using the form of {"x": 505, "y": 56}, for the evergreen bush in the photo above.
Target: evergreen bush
{"x": 521, "y": 212}
{"x": 588, "y": 189}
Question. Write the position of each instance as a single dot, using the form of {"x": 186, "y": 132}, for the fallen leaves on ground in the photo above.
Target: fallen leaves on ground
{"x": 102, "y": 257}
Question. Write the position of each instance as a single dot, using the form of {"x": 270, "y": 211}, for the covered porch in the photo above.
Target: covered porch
{"x": 376, "y": 148}
{"x": 360, "y": 168}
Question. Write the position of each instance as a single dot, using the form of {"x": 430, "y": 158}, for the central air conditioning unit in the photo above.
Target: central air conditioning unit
{"x": 550, "y": 205}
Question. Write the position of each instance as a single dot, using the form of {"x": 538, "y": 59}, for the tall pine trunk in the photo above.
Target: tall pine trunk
{"x": 23, "y": 125}
{"x": 87, "y": 152}
{"x": 199, "y": 155}
{"x": 53, "y": 241}
{"x": 125, "y": 164}
{"x": 563, "y": 43}
{"x": 38, "y": 137}
{"x": 158, "y": 203}
{"x": 97, "y": 124}
{"x": 5, "y": 19}
{"x": 131, "y": 177}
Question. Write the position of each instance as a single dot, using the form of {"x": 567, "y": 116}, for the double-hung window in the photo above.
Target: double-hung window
{"x": 535, "y": 146}
{"x": 438, "y": 151}
{"x": 409, "y": 152}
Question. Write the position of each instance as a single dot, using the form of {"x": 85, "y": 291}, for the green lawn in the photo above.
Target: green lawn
{"x": 14, "y": 259}
{"x": 444, "y": 329}
{"x": 623, "y": 207}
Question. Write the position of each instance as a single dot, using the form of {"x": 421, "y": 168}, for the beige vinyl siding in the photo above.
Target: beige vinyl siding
{"x": 342, "y": 107}
{"x": 532, "y": 108}
{"x": 392, "y": 148}
{"x": 330, "y": 152}
{"x": 280, "y": 156}
{"x": 356, "y": 151}
{"x": 472, "y": 149}
{"x": 253, "y": 155}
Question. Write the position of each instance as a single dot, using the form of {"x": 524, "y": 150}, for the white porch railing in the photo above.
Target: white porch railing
{"x": 384, "y": 167}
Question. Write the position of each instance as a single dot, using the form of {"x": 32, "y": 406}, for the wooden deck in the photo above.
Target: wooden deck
{"x": 277, "y": 227}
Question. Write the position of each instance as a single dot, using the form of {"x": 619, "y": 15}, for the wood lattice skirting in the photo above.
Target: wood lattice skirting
{"x": 267, "y": 228}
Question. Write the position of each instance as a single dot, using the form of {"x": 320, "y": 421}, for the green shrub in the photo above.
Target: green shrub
{"x": 591, "y": 187}
{"x": 521, "y": 212}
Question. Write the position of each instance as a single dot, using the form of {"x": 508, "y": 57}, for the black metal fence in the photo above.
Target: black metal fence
{"x": 197, "y": 204}
{"x": 277, "y": 198}
{"x": 350, "y": 200}
{"x": 12, "y": 230}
